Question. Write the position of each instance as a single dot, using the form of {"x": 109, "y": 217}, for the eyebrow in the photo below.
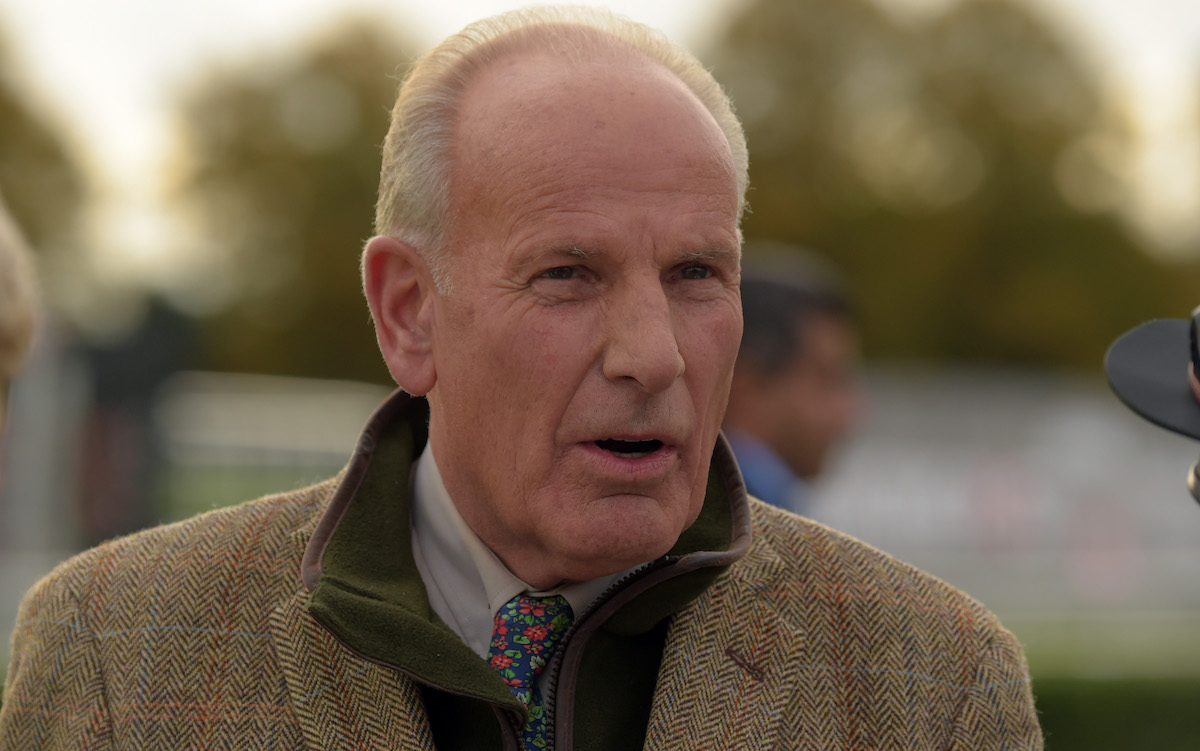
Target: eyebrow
{"x": 565, "y": 252}
{"x": 712, "y": 253}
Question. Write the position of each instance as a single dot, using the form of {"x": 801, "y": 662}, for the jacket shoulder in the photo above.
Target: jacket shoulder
{"x": 825, "y": 562}
{"x": 154, "y": 636}
{"x": 815, "y": 638}
{"x": 262, "y": 537}
{"x": 915, "y": 658}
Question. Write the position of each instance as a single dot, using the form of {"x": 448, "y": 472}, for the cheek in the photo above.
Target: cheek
{"x": 712, "y": 346}
{"x": 552, "y": 331}
{"x": 727, "y": 336}
{"x": 553, "y": 350}
{"x": 534, "y": 363}
{"x": 511, "y": 345}
{"x": 543, "y": 348}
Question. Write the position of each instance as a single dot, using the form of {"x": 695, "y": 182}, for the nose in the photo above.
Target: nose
{"x": 642, "y": 347}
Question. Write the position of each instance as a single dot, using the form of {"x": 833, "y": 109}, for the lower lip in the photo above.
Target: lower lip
{"x": 652, "y": 466}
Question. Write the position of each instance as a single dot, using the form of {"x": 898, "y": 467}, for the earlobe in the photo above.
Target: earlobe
{"x": 400, "y": 292}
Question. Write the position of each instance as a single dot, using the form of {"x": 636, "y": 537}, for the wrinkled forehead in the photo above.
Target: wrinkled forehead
{"x": 533, "y": 114}
{"x": 548, "y": 72}
{"x": 527, "y": 99}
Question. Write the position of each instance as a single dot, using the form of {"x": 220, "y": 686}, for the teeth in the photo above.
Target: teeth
{"x": 630, "y": 454}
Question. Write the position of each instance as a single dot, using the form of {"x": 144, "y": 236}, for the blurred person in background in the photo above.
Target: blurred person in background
{"x": 796, "y": 393}
{"x": 16, "y": 303}
{"x": 541, "y": 540}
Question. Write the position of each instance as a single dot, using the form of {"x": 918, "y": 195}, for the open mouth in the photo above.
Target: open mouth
{"x": 629, "y": 449}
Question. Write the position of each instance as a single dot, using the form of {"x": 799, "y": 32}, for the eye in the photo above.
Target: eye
{"x": 696, "y": 271}
{"x": 560, "y": 272}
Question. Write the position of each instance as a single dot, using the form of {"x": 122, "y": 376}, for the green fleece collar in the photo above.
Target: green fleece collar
{"x": 367, "y": 592}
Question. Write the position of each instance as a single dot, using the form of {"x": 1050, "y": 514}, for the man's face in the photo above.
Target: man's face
{"x": 584, "y": 352}
{"x": 816, "y": 400}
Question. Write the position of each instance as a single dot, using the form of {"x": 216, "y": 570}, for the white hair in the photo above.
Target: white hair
{"x": 16, "y": 296}
{"x": 414, "y": 185}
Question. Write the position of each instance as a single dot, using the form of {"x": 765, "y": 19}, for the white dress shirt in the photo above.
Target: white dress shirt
{"x": 465, "y": 581}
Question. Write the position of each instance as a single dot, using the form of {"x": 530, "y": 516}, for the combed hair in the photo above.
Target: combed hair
{"x": 414, "y": 184}
{"x": 16, "y": 296}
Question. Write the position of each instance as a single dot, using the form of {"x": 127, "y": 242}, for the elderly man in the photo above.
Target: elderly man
{"x": 553, "y": 548}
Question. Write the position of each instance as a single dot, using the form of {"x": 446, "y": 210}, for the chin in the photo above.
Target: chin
{"x": 626, "y": 537}
{"x": 592, "y": 564}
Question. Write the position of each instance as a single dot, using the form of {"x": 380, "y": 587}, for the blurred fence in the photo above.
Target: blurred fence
{"x": 1044, "y": 498}
{"x": 230, "y": 437}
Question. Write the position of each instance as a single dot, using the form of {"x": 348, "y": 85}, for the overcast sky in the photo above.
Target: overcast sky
{"x": 111, "y": 65}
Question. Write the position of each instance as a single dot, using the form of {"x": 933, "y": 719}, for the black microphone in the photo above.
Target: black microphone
{"x": 1153, "y": 369}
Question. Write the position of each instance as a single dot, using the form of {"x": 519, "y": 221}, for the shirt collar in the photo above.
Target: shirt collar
{"x": 467, "y": 583}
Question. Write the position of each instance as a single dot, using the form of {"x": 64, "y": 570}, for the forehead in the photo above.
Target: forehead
{"x": 558, "y": 102}
{"x": 537, "y": 131}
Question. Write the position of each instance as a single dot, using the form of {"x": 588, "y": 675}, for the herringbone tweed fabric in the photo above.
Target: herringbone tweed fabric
{"x": 196, "y": 636}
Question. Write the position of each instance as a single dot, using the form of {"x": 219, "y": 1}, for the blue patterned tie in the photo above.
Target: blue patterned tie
{"x": 524, "y": 636}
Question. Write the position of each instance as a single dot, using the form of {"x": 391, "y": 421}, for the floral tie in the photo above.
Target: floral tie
{"x": 525, "y": 634}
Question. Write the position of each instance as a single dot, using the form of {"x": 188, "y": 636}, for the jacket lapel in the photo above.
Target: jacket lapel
{"x": 341, "y": 700}
{"x": 730, "y": 662}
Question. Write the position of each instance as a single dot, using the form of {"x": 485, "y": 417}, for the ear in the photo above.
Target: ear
{"x": 401, "y": 294}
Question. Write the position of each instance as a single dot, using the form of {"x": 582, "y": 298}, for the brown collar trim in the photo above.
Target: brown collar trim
{"x": 731, "y": 477}
{"x": 355, "y": 473}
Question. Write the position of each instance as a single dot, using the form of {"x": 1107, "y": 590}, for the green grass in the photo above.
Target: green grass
{"x": 1120, "y": 713}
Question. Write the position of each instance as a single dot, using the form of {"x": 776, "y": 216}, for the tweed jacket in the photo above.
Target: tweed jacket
{"x": 199, "y": 635}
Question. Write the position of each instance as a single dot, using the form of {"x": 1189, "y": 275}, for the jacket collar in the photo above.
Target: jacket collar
{"x": 366, "y": 591}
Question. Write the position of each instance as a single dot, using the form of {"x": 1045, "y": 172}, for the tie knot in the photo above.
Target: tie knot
{"x": 526, "y": 632}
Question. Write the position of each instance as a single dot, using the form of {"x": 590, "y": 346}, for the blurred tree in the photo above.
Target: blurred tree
{"x": 40, "y": 177}
{"x": 965, "y": 170}
{"x": 279, "y": 169}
